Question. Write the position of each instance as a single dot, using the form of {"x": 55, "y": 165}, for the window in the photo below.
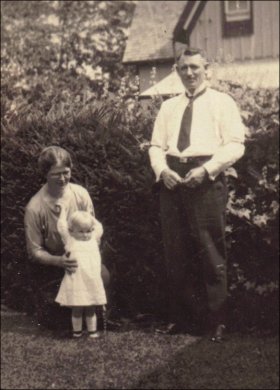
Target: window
{"x": 237, "y": 18}
{"x": 237, "y": 10}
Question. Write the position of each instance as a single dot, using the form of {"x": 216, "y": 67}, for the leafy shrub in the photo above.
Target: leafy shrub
{"x": 253, "y": 212}
{"x": 109, "y": 146}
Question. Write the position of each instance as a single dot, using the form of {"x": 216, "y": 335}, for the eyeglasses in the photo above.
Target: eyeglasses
{"x": 59, "y": 174}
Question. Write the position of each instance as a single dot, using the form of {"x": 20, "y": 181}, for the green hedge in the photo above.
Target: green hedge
{"x": 109, "y": 143}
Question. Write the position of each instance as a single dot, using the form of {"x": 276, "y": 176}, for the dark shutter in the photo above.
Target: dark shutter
{"x": 234, "y": 28}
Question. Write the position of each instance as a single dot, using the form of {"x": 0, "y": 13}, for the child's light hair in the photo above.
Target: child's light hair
{"x": 82, "y": 220}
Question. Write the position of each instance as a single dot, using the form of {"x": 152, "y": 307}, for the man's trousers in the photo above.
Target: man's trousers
{"x": 193, "y": 229}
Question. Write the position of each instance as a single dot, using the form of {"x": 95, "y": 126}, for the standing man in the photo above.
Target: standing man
{"x": 196, "y": 136}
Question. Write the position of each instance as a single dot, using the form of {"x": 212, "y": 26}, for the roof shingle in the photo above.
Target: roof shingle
{"x": 151, "y": 30}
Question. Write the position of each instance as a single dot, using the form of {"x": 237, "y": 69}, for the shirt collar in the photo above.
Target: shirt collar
{"x": 202, "y": 86}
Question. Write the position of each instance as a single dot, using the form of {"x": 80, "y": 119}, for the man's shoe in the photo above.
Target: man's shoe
{"x": 170, "y": 329}
{"x": 219, "y": 333}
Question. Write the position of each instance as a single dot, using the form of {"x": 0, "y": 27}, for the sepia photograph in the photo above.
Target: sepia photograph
{"x": 139, "y": 194}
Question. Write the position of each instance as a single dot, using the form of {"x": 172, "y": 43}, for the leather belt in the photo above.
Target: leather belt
{"x": 185, "y": 160}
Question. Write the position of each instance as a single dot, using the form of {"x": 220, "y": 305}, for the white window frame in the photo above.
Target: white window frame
{"x": 237, "y": 14}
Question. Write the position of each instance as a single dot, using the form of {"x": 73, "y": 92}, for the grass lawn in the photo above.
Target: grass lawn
{"x": 34, "y": 358}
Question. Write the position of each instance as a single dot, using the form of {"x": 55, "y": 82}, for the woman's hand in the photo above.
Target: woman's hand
{"x": 69, "y": 263}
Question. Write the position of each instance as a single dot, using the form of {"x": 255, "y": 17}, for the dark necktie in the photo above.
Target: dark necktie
{"x": 185, "y": 129}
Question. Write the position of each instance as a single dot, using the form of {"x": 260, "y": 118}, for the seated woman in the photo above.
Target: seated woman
{"x": 44, "y": 243}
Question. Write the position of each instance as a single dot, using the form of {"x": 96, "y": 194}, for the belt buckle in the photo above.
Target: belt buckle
{"x": 183, "y": 159}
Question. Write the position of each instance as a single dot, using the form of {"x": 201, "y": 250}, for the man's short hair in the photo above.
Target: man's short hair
{"x": 191, "y": 51}
{"x": 53, "y": 155}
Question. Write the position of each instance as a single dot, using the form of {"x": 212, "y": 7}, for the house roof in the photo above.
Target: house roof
{"x": 169, "y": 85}
{"x": 255, "y": 74}
{"x": 188, "y": 20}
{"x": 151, "y": 31}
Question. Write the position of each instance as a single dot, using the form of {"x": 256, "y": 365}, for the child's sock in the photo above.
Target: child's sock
{"x": 91, "y": 322}
{"x": 77, "y": 323}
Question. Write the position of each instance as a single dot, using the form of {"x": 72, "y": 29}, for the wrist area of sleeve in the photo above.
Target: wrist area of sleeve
{"x": 48, "y": 259}
{"x": 57, "y": 261}
{"x": 211, "y": 170}
{"x": 162, "y": 172}
{"x": 158, "y": 171}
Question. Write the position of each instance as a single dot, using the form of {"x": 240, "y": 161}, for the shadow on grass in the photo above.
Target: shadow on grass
{"x": 21, "y": 323}
{"x": 241, "y": 362}
{"x": 134, "y": 359}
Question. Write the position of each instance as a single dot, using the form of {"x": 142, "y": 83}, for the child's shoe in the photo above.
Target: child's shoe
{"x": 94, "y": 334}
{"x": 76, "y": 335}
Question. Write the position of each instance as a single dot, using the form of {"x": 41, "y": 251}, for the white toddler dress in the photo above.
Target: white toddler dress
{"x": 84, "y": 287}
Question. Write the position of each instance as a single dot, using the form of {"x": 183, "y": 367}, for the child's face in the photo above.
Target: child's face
{"x": 82, "y": 233}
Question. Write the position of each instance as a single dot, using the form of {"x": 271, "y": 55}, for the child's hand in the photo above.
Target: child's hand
{"x": 94, "y": 224}
{"x": 98, "y": 230}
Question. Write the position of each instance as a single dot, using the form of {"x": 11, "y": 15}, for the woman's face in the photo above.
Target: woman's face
{"x": 58, "y": 177}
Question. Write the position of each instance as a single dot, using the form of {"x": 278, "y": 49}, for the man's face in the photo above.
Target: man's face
{"x": 192, "y": 71}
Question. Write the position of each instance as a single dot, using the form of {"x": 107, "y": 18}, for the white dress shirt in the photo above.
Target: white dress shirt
{"x": 216, "y": 131}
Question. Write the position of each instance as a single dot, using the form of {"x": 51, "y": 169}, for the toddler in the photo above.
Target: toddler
{"x": 83, "y": 289}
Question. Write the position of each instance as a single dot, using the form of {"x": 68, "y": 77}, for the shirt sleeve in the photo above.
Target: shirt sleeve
{"x": 33, "y": 233}
{"x": 157, "y": 151}
{"x": 232, "y": 133}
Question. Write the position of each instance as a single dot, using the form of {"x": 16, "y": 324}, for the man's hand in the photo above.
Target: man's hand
{"x": 68, "y": 263}
{"x": 170, "y": 178}
{"x": 194, "y": 177}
